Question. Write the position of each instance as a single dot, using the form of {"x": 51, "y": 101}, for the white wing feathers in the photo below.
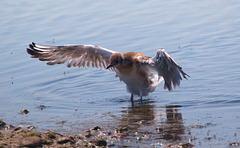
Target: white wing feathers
{"x": 167, "y": 68}
{"x": 76, "y": 55}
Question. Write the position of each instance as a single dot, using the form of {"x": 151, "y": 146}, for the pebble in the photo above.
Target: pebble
{"x": 121, "y": 130}
{"x": 41, "y": 107}
{"x": 208, "y": 138}
{"x": 107, "y": 133}
{"x": 138, "y": 138}
{"x": 24, "y": 111}
{"x": 196, "y": 126}
{"x": 8, "y": 127}
{"x": 30, "y": 127}
{"x": 159, "y": 129}
{"x": 143, "y": 122}
{"x": 61, "y": 122}
{"x": 191, "y": 139}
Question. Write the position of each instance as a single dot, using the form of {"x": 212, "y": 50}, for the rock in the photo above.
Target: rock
{"x": 63, "y": 140}
{"x": 107, "y": 133}
{"x": 196, "y": 126}
{"x": 18, "y": 129}
{"x": 192, "y": 138}
{"x": 234, "y": 144}
{"x": 24, "y": 111}
{"x": 186, "y": 145}
{"x": 61, "y": 122}
{"x": 160, "y": 129}
{"x": 87, "y": 134}
{"x": 30, "y": 127}
{"x": 208, "y": 138}
{"x": 33, "y": 141}
{"x": 99, "y": 142}
{"x": 2, "y": 124}
{"x": 41, "y": 107}
{"x": 121, "y": 130}
{"x": 8, "y": 127}
{"x": 143, "y": 122}
{"x": 138, "y": 138}
{"x": 95, "y": 128}
{"x": 51, "y": 135}
{"x": 180, "y": 145}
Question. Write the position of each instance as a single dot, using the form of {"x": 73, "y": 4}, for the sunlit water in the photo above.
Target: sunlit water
{"x": 202, "y": 36}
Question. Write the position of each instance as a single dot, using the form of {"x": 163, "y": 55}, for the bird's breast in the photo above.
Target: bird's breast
{"x": 125, "y": 70}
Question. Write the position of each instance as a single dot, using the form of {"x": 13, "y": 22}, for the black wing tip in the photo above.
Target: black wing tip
{"x": 30, "y": 51}
{"x": 31, "y": 46}
{"x": 184, "y": 75}
{"x": 187, "y": 77}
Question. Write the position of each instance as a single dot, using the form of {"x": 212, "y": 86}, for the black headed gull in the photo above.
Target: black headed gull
{"x": 133, "y": 68}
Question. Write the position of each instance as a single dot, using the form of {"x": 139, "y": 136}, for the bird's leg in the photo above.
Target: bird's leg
{"x": 131, "y": 97}
{"x": 132, "y": 100}
{"x": 141, "y": 99}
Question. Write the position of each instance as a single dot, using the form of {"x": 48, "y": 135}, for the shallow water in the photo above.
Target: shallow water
{"x": 202, "y": 36}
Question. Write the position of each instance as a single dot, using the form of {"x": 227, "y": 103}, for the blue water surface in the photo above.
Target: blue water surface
{"x": 202, "y": 36}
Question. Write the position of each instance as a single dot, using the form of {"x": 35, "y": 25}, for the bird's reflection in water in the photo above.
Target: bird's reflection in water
{"x": 173, "y": 128}
{"x": 140, "y": 114}
{"x": 157, "y": 123}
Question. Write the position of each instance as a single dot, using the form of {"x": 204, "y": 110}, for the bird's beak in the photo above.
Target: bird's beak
{"x": 109, "y": 66}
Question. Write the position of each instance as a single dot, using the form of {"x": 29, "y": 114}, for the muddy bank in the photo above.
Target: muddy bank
{"x": 138, "y": 126}
{"x": 11, "y": 136}
{"x": 21, "y": 136}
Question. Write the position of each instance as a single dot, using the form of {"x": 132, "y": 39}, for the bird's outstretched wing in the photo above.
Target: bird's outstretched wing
{"x": 76, "y": 55}
{"x": 167, "y": 68}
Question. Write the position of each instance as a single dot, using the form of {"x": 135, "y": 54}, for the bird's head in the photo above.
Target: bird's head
{"x": 116, "y": 60}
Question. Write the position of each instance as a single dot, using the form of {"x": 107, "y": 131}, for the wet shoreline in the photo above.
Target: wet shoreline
{"x": 11, "y": 136}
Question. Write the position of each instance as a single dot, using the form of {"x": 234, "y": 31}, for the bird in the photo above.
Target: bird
{"x": 140, "y": 73}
